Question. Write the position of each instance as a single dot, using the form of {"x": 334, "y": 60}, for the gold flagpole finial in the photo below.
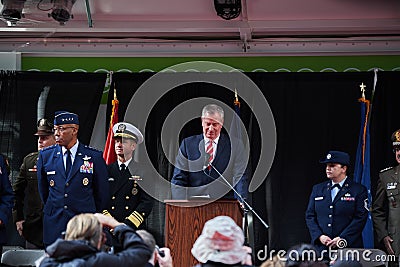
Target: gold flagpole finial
{"x": 362, "y": 86}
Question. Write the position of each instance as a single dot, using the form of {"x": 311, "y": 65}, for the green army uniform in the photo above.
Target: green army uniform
{"x": 26, "y": 192}
{"x": 386, "y": 204}
{"x": 386, "y": 207}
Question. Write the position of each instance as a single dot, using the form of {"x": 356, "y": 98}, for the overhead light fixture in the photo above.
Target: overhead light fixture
{"x": 61, "y": 10}
{"x": 12, "y": 9}
{"x": 228, "y": 9}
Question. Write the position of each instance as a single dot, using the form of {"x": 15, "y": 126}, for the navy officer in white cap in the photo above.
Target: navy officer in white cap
{"x": 72, "y": 178}
{"x": 337, "y": 210}
{"x": 128, "y": 202}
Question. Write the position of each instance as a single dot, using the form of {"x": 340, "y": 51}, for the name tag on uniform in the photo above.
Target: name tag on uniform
{"x": 348, "y": 197}
{"x": 319, "y": 198}
{"x": 51, "y": 172}
{"x": 391, "y": 186}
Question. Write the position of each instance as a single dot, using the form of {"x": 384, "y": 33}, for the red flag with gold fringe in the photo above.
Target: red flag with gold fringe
{"x": 109, "y": 151}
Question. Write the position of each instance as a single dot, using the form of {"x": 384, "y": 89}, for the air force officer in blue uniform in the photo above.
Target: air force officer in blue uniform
{"x": 337, "y": 209}
{"x": 191, "y": 178}
{"x": 72, "y": 178}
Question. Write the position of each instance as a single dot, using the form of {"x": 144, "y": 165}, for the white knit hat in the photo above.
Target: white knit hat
{"x": 221, "y": 241}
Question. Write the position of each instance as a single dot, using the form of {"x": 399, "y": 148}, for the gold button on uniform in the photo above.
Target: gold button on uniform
{"x": 113, "y": 208}
{"x": 127, "y": 197}
{"x": 126, "y": 207}
{"x": 113, "y": 197}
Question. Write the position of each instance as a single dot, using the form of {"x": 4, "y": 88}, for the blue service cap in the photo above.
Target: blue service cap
{"x": 65, "y": 117}
{"x": 336, "y": 157}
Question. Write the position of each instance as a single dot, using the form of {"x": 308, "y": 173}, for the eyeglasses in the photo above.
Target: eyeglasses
{"x": 61, "y": 129}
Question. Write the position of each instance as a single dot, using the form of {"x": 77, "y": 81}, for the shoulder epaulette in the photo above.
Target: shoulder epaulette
{"x": 31, "y": 154}
{"x": 49, "y": 147}
{"x": 386, "y": 169}
{"x": 92, "y": 148}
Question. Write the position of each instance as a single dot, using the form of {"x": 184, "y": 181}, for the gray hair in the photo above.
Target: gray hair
{"x": 212, "y": 109}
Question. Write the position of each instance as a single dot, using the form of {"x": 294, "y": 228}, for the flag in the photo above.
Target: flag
{"x": 362, "y": 172}
{"x": 109, "y": 151}
{"x": 235, "y": 130}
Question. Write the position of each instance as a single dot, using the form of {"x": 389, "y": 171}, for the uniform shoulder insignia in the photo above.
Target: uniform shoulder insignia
{"x": 32, "y": 154}
{"x": 49, "y": 147}
{"x": 386, "y": 169}
{"x": 92, "y": 148}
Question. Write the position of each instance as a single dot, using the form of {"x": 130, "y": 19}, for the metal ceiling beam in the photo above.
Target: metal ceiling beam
{"x": 264, "y": 47}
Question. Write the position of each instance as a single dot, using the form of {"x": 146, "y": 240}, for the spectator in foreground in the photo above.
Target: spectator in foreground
{"x": 162, "y": 256}
{"x": 84, "y": 238}
{"x": 221, "y": 244}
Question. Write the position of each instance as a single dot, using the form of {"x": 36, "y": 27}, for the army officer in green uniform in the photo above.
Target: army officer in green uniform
{"x": 128, "y": 202}
{"x": 386, "y": 204}
{"x": 28, "y": 208}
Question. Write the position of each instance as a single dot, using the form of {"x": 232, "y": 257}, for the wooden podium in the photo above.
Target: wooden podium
{"x": 184, "y": 221}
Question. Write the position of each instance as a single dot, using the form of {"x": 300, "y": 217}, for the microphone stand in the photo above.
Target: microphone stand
{"x": 247, "y": 205}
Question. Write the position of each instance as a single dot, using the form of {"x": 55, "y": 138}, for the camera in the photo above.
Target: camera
{"x": 160, "y": 252}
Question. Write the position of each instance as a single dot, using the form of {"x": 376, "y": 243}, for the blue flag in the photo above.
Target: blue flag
{"x": 362, "y": 172}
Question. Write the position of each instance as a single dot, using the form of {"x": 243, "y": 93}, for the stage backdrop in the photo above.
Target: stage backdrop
{"x": 27, "y": 96}
{"x": 313, "y": 112}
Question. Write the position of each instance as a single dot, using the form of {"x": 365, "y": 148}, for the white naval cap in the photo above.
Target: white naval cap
{"x": 127, "y": 130}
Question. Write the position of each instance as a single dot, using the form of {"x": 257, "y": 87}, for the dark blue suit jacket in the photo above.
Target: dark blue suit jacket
{"x": 190, "y": 178}
{"x": 85, "y": 189}
{"x": 344, "y": 217}
{"x": 6, "y": 200}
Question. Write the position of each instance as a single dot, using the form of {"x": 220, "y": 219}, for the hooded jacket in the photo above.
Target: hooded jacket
{"x": 77, "y": 253}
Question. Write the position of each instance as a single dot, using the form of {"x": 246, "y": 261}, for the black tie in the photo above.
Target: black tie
{"x": 336, "y": 185}
{"x": 68, "y": 163}
{"x": 123, "y": 167}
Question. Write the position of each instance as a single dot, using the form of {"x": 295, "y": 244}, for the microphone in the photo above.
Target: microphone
{"x": 245, "y": 204}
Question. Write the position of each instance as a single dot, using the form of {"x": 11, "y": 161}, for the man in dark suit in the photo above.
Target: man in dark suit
{"x": 129, "y": 203}
{"x": 385, "y": 208}
{"x": 193, "y": 174}
{"x": 6, "y": 201}
{"x": 337, "y": 210}
{"x": 28, "y": 208}
{"x": 72, "y": 178}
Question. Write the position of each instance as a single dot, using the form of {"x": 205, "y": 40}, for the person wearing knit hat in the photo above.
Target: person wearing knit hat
{"x": 385, "y": 207}
{"x": 72, "y": 178}
{"x": 221, "y": 244}
{"x": 28, "y": 209}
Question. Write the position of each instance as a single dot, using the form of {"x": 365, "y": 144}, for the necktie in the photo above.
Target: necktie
{"x": 210, "y": 151}
{"x": 68, "y": 162}
{"x": 336, "y": 185}
{"x": 123, "y": 167}
{"x": 334, "y": 191}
